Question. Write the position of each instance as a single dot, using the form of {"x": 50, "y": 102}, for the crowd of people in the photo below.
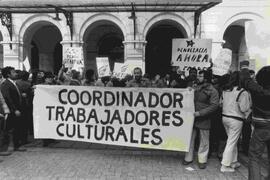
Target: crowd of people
{"x": 227, "y": 108}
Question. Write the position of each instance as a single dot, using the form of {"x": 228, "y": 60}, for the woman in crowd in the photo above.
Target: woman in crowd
{"x": 260, "y": 93}
{"x": 236, "y": 104}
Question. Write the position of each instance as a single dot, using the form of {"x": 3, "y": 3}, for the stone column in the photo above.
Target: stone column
{"x": 135, "y": 50}
{"x": 11, "y": 54}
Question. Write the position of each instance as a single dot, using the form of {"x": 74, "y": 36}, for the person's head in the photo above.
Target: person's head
{"x": 180, "y": 72}
{"x": 40, "y": 74}
{"x": 192, "y": 72}
{"x": 90, "y": 75}
{"x": 215, "y": 79}
{"x": 18, "y": 74}
{"x": 146, "y": 75}
{"x": 128, "y": 77}
{"x": 137, "y": 73}
{"x": 9, "y": 72}
{"x": 49, "y": 77}
{"x": 157, "y": 77}
{"x": 75, "y": 74}
{"x": 252, "y": 74}
{"x": 105, "y": 79}
{"x": 244, "y": 64}
{"x": 263, "y": 77}
{"x": 174, "y": 68}
{"x": 223, "y": 80}
{"x": 233, "y": 81}
{"x": 167, "y": 76}
{"x": 204, "y": 77}
{"x": 24, "y": 75}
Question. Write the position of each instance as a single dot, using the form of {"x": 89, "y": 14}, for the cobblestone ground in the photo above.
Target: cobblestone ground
{"x": 69, "y": 160}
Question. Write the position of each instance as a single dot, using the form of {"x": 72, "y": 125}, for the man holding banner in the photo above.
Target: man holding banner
{"x": 206, "y": 100}
{"x": 138, "y": 80}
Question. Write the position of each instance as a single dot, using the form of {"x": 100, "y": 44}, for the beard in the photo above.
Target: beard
{"x": 138, "y": 78}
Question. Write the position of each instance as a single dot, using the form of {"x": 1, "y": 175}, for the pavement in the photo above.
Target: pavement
{"x": 67, "y": 160}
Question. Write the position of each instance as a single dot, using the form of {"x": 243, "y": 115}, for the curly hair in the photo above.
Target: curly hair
{"x": 234, "y": 81}
{"x": 207, "y": 74}
{"x": 263, "y": 77}
{"x": 89, "y": 75}
{"x": 6, "y": 71}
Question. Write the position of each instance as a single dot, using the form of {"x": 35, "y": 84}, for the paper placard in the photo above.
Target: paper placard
{"x": 222, "y": 63}
{"x": 189, "y": 53}
{"x": 103, "y": 66}
{"x": 73, "y": 58}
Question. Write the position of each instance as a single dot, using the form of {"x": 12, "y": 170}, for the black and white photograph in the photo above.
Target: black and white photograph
{"x": 134, "y": 89}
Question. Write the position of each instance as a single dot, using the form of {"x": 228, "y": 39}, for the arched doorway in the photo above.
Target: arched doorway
{"x": 103, "y": 39}
{"x": 235, "y": 40}
{"x": 42, "y": 46}
{"x": 1, "y": 51}
{"x": 34, "y": 56}
{"x": 159, "y": 46}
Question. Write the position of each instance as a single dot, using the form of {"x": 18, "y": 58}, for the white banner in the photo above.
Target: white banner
{"x": 188, "y": 53}
{"x": 103, "y": 66}
{"x": 136, "y": 117}
{"x": 73, "y": 58}
{"x": 222, "y": 63}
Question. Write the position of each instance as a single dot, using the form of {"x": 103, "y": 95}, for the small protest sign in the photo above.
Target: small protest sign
{"x": 123, "y": 69}
{"x": 222, "y": 63}
{"x": 103, "y": 66}
{"x": 189, "y": 53}
{"x": 120, "y": 70}
{"x": 73, "y": 58}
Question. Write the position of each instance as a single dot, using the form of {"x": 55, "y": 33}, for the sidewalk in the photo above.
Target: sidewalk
{"x": 77, "y": 160}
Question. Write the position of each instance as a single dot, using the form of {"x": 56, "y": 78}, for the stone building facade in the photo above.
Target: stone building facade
{"x": 40, "y": 37}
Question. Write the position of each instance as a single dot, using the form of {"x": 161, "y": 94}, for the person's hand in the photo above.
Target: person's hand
{"x": 190, "y": 88}
{"x": 17, "y": 113}
{"x": 173, "y": 83}
{"x": 6, "y": 116}
{"x": 157, "y": 77}
{"x": 24, "y": 95}
{"x": 197, "y": 114}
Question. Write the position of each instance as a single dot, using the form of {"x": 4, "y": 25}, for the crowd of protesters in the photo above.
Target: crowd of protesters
{"x": 226, "y": 109}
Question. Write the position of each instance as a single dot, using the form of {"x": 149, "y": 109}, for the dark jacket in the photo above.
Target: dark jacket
{"x": 206, "y": 102}
{"x": 26, "y": 91}
{"x": 11, "y": 95}
{"x": 260, "y": 99}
